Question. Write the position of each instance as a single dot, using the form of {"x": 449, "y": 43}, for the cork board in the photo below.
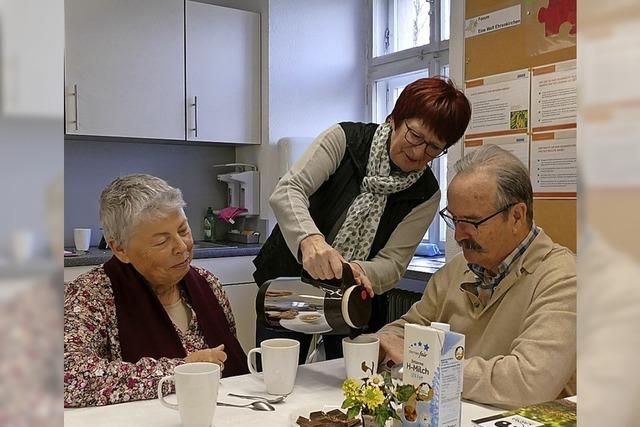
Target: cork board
{"x": 522, "y": 46}
{"x": 558, "y": 219}
{"x": 530, "y": 44}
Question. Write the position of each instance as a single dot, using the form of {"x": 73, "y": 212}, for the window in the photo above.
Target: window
{"x": 409, "y": 40}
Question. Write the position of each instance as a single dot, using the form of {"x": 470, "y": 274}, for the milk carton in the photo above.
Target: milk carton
{"x": 433, "y": 361}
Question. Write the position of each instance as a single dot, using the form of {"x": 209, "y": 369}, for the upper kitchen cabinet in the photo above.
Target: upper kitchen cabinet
{"x": 124, "y": 68}
{"x": 223, "y": 74}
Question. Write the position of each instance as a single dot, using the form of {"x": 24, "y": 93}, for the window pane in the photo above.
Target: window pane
{"x": 444, "y": 70}
{"x": 388, "y": 90}
{"x": 412, "y": 23}
{"x": 445, "y": 12}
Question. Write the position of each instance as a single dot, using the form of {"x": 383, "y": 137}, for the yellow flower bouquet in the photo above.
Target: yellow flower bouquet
{"x": 376, "y": 396}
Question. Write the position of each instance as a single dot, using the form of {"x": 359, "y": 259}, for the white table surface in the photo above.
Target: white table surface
{"x": 317, "y": 384}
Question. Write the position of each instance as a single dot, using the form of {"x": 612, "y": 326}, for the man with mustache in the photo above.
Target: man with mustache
{"x": 512, "y": 290}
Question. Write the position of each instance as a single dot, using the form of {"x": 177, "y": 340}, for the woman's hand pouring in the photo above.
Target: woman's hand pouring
{"x": 323, "y": 262}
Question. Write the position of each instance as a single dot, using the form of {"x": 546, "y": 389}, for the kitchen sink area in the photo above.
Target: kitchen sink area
{"x": 202, "y": 244}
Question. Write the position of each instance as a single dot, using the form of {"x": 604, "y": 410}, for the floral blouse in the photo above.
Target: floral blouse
{"x": 94, "y": 372}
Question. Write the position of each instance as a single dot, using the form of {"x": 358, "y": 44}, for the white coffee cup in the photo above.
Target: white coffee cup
{"x": 279, "y": 364}
{"x": 82, "y": 238}
{"x": 197, "y": 390}
{"x": 361, "y": 356}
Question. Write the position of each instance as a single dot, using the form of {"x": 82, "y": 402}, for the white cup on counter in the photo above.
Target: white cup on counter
{"x": 197, "y": 392}
{"x": 82, "y": 238}
{"x": 279, "y": 364}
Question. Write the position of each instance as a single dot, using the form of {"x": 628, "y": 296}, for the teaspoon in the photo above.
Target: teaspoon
{"x": 258, "y": 405}
{"x": 276, "y": 399}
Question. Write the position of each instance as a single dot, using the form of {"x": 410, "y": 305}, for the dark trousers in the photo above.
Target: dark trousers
{"x": 332, "y": 343}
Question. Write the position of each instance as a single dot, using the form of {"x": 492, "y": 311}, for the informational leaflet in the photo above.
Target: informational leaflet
{"x": 553, "y": 164}
{"x": 518, "y": 145}
{"x": 499, "y": 104}
{"x": 493, "y": 21}
{"x": 554, "y": 96}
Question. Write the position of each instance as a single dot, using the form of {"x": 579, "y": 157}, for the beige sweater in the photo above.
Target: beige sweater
{"x": 290, "y": 204}
{"x": 521, "y": 347}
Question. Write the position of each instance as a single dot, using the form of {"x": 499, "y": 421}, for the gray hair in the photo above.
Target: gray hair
{"x": 130, "y": 199}
{"x": 512, "y": 176}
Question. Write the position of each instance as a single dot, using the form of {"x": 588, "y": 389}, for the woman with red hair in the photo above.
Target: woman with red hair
{"x": 363, "y": 193}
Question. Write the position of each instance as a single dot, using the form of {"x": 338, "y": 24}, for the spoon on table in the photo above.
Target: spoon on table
{"x": 276, "y": 399}
{"x": 258, "y": 405}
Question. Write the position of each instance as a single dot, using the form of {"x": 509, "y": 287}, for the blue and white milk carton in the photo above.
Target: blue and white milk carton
{"x": 433, "y": 362}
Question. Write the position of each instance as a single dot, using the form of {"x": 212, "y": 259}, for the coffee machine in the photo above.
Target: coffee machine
{"x": 243, "y": 187}
{"x": 304, "y": 304}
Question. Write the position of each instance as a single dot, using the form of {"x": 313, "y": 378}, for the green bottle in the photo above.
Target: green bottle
{"x": 209, "y": 225}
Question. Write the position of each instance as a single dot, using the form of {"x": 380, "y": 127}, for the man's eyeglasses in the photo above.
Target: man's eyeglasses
{"x": 451, "y": 221}
{"x": 415, "y": 139}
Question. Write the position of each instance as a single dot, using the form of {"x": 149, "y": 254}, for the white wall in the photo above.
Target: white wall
{"x": 315, "y": 59}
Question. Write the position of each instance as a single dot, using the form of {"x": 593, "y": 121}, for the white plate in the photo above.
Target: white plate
{"x": 304, "y": 411}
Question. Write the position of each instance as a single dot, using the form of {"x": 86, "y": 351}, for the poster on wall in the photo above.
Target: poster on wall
{"x": 554, "y": 96}
{"x": 493, "y": 21}
{"x": 518, "y": 145}
{"x": 499, "y": 105}
{"x": 553, "y": 164}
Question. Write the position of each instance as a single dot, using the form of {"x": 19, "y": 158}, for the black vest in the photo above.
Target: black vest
{"x": 333, "y": 198}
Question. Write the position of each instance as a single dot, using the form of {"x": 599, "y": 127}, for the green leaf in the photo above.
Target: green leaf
{"x": 404, "y": 392}
{"x": 353, "y": 411}
{"x": 387, "y": 378}
{"x": 348, "y": 402}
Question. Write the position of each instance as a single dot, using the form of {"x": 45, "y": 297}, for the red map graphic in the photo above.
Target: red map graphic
{"x": 557, "y": 13}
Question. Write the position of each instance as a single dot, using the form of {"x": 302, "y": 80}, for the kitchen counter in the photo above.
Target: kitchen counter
{"x": 421, "y": 268}
{"x": 97, "y": 256}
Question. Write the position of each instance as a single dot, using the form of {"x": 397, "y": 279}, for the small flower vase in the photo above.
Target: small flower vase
{"x": 369, "y": 421}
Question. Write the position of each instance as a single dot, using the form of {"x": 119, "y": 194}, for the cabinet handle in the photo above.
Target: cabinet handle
{"x": 75, "y": 105}
{"x": 195, "y": 109}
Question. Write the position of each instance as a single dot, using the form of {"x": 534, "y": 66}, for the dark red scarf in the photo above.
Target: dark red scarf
{"x": 145, "y": 329}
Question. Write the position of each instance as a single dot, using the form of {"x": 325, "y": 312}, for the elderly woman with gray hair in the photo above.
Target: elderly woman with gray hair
{"x": 133, "y": 319}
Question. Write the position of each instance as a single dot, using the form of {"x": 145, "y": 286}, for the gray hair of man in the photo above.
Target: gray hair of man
{"x": 512, "y": 176}
{"x": 134, "y": 198}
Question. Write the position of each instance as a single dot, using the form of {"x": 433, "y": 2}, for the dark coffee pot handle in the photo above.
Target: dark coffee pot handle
{"x": 346, "y": 281}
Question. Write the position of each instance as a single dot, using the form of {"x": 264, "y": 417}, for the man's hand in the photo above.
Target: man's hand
{"x": 391, "y": 347}
{"x": 319, "y": 259}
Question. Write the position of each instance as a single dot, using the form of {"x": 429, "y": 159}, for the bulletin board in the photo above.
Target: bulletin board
{"x": 546, "y": 34}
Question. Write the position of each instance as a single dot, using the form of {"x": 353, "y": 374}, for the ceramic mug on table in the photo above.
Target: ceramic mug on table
{"x": 197, "y": 391}
{"x": 279, "y": 364}
{"x": 82, "y": 238}
{"x": 361, "y": 356}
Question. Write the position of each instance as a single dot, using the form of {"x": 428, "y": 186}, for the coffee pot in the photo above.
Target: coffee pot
{"x": 311, "y": 306}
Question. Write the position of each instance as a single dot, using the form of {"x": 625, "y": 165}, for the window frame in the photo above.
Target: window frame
{"x": 432, "y": 57}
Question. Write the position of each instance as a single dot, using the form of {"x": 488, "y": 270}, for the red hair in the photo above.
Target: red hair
{"x": 438, "y": 103}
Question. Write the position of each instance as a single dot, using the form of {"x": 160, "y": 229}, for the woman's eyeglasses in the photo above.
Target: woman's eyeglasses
{"x": 414, "y": 138}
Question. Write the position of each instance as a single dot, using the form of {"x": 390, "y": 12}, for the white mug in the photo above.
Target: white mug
{"x": 82, "y": 238}
{"x": 361, "y": 356}
{"x": 197, "y": 390}
{"x": 279, "y": 364}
